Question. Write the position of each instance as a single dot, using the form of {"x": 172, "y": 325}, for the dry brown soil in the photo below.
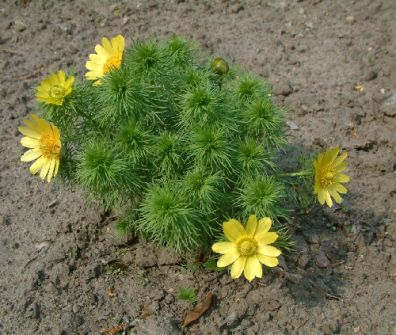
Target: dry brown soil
{"x": 58, "y": 254}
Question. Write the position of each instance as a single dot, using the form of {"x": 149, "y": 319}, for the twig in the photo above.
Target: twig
{"x": 13, "y": 52}
{"x": 31, "y": 75}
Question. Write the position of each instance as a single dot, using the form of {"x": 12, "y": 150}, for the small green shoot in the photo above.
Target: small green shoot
{"x": 188, "y": 294}
{"x": 143, "y": 280}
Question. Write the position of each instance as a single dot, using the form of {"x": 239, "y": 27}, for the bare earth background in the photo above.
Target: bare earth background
{"x": 59, "y": 255}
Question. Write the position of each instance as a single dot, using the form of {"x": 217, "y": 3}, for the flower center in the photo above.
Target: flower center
{"x": 57, "y": 92}
{"x": 247, "y": 246}
{"x": 112, "y": 63}
{"x": 49, "y": 145}
{"x": 327, "y": 178}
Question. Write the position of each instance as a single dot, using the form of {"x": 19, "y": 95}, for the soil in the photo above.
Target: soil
{"x": 64, "y": 271}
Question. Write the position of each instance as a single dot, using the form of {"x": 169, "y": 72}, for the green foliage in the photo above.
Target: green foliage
{"x": 170, "y": 219}
{"x": 178, "y": 146}
{"x": 188, "y": 294}
{"x": 262, "y": 196}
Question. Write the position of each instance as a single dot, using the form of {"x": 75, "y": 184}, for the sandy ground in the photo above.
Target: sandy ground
{"x": 58, "y": 254}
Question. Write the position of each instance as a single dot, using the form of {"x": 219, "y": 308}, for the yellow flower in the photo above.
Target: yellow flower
{"x": 54, "y": 89}
{"x": 328, "y": 176}
{"x": 108, "y": 57}
{"x": 248, "y": 247}
{"x": 43, "y": 139}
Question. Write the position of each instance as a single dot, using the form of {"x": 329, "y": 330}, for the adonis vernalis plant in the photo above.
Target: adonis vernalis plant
{"x": 180, "y": 144}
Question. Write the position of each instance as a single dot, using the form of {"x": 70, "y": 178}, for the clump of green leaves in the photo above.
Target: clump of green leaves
{"x": 188, "y": 294}
{"x": 178, "y": 142}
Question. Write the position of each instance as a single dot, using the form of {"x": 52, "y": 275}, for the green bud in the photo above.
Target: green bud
{"x": 219, "y": 66}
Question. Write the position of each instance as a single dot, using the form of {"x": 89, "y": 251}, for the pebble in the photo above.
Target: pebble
{"x": 5, "y": 220}
{"x": 309, "y": 24}
{"x": 350, "y": 19}
{"x": 145, "y": 259}
{"x": 125, "y": 20}
{"x": 321, "y": 260}
{"x": 75, "y": 308}
{"x": 20, "y": 25}
{"x": 53, "y": 203}
{"x": 292, "y": 125}
{"x": 284, "y": 88}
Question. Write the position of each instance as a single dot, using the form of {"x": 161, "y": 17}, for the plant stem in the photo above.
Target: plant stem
{"x": 295, "y": 174}
{"x": 85, "y": 116}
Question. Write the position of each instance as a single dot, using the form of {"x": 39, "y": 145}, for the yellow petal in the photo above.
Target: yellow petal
{"x": 228, "y": 258}
{"x": 342, "y": 178}
{"x": 251, "y": 225}
{"x": 90, "y": 65}
{"x": 335, "y": 195}
{"x": 44, "y": 169}
{"x": 51, "y": 170}
{"x": 267, "y": 260}
{"x": 41, "y": 123}
{"x": 37, "y": 165}
{"x": 238, "y": 267}
{"x": 264, "y": 225}
{"x": 341, "y": 167}
{"x": 106, "y": 45}
{"x": 268, "y": 250}
{"x": 223, "y": 247}
{"x": 30, "y": 142}
{"x": 92, "y": 75}
{"x": 30, "y": 132}
{"x": 330, "y": 155}
{"x": 233, "y": 230}
{"x": 340, "y": 188}
{"x": 56, "y": 167}
{"x": 33, "y": 125}
{"x": 329, "y": 202}
{"x": 266, "y": 238}
{"x": 69, "y": 83}
{"x": 30, "y": 155}
{"x": 340, "y": 159}
{"x": 61, "y": 77}
{"x": 253, "y": 268}
{"x": 118, "y": 43}
{"x": 101, "y": 51}
{"x": 322, "y": 196}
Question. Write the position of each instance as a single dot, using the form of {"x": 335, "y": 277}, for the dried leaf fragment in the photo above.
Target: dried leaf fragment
{"x": 110, "y": 293}
{"x": 114, "y": 330}
{"x": 198, "y": 311}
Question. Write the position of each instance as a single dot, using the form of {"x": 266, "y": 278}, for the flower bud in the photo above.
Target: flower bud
{"x": 219, "y": 66}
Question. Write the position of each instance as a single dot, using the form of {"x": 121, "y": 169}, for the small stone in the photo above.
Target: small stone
{"x": 53, "y": 203}
{"x": 350, "y": 19}
{"x": 292, "y": 125}
{"x": 125, "y": 20}
{"x": 371, "y": 75}
{"x": 284, "y": 88}
{"x": 236, "y": 8}
{"x": 309, "y": 24}
{"x": 19, "y": 25}
{"x": 303, "y": 260}
{"x": 144, "y": 258}
{"x": 301, "y": 11}
{"x": 75, "y": 308}
{"x": 321, "y": 260}
{"x": 5, "y": 220}
{"x": 157, "y": 295}
{"x": 237, "y": 312}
